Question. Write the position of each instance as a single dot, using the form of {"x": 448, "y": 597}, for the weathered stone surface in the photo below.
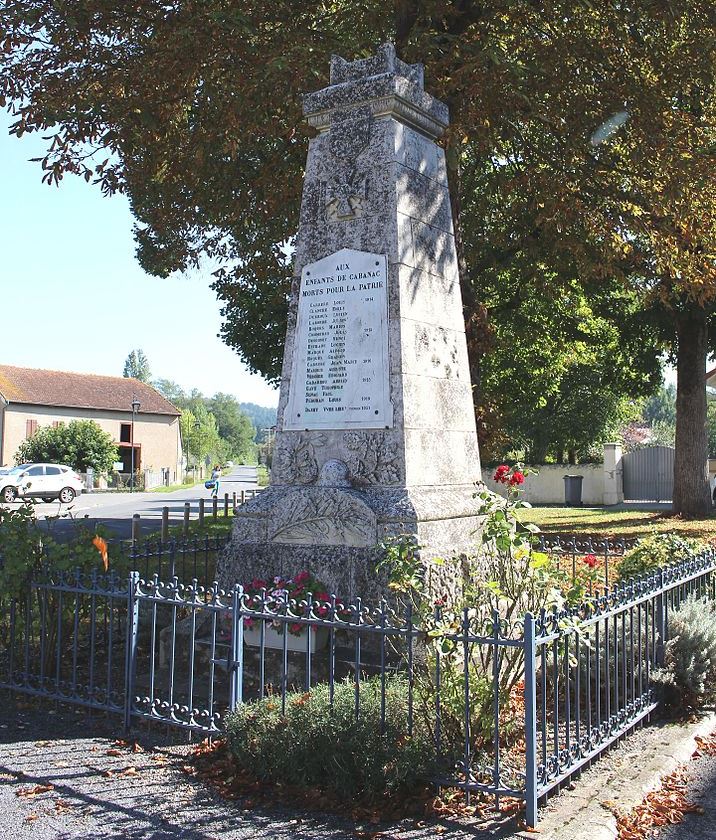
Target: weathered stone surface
{"x": 376, "y": 182}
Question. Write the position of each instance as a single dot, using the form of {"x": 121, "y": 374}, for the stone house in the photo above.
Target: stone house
{"x": 30, "y": 399}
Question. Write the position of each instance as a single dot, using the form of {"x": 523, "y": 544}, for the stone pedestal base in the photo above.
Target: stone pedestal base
{"x": 335, "y": 532}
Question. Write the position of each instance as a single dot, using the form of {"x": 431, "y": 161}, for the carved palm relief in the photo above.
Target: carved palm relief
{"x": 374, "y": 458}
{"x": 324, "y": 518}
{"x": 295, "y": 459}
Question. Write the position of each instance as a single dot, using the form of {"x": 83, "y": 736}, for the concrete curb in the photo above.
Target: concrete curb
{"x": 620, "y": 780}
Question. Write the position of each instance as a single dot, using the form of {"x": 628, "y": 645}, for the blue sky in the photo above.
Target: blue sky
{"x": 73, "y": 297}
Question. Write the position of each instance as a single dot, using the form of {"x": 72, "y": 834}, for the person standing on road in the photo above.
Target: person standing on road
{"x": 215, "y": 476}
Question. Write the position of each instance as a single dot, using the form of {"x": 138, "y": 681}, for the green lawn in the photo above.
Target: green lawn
{"x": 604, "y": 522}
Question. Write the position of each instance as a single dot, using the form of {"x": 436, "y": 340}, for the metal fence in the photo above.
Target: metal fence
{"x": 187, "y": 559}
{"x": 513, "y": 709}
{"x": 569, "y": 553}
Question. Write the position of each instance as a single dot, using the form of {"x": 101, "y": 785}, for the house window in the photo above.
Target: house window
{"x": 30, "y": 428}
{"x": 55, "y": 424}
{"x": 125, "y": 433}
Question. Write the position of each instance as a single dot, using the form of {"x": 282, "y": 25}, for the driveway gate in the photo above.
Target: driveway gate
{"x": 649, "y": 474}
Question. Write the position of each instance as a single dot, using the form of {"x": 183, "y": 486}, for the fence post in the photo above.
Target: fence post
{"x": 243, "y": 497}
{"x": 201, "y": 513}
{"x": 165, "y": 524}
{"x": 187, "y": 514}
{"x": 136, "y": 532}
{"x": 226, "y": 504}
{"x": 236, "y": 666}
{"x": 530, "y": 722}
{"x": 214, "y": 507}
{"x": 234, "y": 500}
{"x": 131, "y": 657}
{"x": 660, "y": 620}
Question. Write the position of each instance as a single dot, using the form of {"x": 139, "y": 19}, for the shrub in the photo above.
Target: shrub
{"x": 689, "y": 672}
{"x": 80, "y": 444}
{"x": 654, "y": 551}
{"x": 319, "y": 745}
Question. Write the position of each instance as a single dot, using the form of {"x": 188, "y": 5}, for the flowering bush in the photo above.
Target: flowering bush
{"x": 512, "y": 477}
{"x": 292, "y": 595}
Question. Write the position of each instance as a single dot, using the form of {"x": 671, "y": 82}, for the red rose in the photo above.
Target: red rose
{"x": 591, "y": 561}
{"x": 501, "y": 474}
{"x": 517, "y": 478}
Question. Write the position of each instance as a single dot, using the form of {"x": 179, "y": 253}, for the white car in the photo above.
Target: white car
{"x": 44, "y": 481}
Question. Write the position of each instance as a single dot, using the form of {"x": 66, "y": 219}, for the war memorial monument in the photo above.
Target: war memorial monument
{"x": 376, "y": 432}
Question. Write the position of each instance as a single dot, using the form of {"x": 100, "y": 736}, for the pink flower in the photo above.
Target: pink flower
{"x": 295, "y": 628}
{"x": 591, "y": 561}
{"x": 516, "y": 478}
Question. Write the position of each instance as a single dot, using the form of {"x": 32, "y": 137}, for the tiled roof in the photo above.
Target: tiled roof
{"x": 80, "y": 390}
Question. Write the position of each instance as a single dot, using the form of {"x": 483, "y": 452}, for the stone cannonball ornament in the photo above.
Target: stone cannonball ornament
{"x": 375, "y": 433}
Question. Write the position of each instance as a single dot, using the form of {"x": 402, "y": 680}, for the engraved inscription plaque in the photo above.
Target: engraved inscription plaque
{"x": 339, "y": 378}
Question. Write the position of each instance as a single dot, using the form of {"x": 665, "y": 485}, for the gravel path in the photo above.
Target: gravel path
{"x": 702, "y": 791}
{"x": 104, "y": 790}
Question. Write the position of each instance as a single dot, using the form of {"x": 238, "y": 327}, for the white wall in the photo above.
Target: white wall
{"x": 547, "y": 486}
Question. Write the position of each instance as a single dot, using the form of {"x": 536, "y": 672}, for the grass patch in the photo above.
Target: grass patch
{"x": 219, "y": 527}
{"x": 262, "y": 475}
{"x": 171, "y": 488}
{"x": 604, "y": 522}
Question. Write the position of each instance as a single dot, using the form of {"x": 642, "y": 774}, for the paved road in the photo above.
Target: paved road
{"x": 115, "y": 510}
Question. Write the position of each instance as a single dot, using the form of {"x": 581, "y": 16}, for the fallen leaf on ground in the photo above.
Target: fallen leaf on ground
{"x": 33, "y": 791}
{"x": 114, "y": 753}
{"x": 30, "y": 817}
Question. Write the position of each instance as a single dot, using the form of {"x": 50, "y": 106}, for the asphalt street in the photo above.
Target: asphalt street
{"x": 115, "y": 510}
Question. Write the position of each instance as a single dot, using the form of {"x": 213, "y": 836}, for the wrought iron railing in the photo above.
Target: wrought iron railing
{"x": 521, "y": 708}
{"x": 569, "y": 552}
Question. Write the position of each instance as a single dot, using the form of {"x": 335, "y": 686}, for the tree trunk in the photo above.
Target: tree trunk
{"x": 691, "y": 480}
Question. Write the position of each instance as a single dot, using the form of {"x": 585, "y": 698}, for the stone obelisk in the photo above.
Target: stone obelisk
{"x": 376, "y": 432}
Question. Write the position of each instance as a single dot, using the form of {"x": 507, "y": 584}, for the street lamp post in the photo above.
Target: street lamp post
{"x": 135, "y": 408}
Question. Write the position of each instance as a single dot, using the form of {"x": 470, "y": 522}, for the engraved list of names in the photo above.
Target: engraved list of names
{"x": 339, "y": 375}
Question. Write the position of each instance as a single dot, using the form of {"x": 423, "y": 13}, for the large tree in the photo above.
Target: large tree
{"x": 136, "y": 366}
{"x": 565, "y": 369}
{"x": 581, "y": 132}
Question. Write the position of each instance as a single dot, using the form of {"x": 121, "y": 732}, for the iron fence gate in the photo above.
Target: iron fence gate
{"x": 649, "y": 474}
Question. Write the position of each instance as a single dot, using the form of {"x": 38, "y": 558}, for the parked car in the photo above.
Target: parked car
{"x": 44, "y": 481}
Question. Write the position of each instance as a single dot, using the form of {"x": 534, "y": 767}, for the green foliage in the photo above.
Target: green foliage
{"x": 21, "y": 548}
{"x": 688, "y": 676}
{"x": 79, "y": 444}
{"x": 25, "y": 548}
{"x": 661, "y": 406}
{"x": 321, "y": 745}
{"x": 171, "y": 390}
{"x": 234, "y": 428}
{"x": 563, "y": 369}
{"x": 200, "y": 437}
{"x": 262, "y": 417}
{"x": 136, "y": 366}
{"x": 654, "y": 551}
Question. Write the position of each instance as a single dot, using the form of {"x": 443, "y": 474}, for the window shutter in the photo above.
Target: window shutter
{"x": 30, "y": 428}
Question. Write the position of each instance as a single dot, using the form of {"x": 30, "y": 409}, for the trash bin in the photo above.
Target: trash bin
{"x": 573, "y": 490}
